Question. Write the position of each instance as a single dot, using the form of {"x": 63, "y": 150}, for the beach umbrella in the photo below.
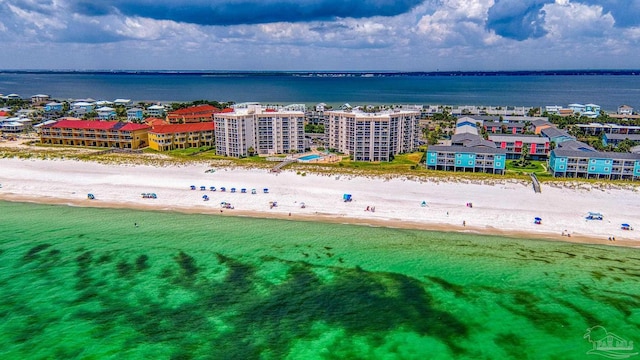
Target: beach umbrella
{"x": 626, "y": 225}
{"x": 538, "y": 219}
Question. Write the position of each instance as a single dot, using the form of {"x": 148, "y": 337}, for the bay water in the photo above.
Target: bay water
{"x": 500, "y": 89}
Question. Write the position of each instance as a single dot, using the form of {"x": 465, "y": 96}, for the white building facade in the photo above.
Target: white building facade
{"x": 268, "y": 131}
{"x": 373, "y": 136}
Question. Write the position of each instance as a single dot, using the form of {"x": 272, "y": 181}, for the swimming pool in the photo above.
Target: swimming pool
{"x": 309, "y": 157}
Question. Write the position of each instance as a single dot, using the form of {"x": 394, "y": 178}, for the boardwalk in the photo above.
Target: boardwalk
{"x": 536, "y": 183}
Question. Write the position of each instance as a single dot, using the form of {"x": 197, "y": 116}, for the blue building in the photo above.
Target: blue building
{"x": 134, "y": 114}
{"x": 591, "y": 164}
{"x": 467, "y": 159}
{"x": 53, "y": 107}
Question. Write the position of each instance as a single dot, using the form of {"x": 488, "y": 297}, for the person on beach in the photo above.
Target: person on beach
{"x": 464, "y": 223}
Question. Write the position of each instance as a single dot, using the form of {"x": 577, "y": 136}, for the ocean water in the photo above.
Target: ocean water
{"x": 88, "y": 284}
{"x": 535, "y": 89}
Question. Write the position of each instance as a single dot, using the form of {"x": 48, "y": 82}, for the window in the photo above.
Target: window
{"x": 470, "y": 162}
{"x": 498, "y": 164}
{"x": 592, "y": 168}
{"x": 606, "y": 169}
{"x": 458, "y": 162}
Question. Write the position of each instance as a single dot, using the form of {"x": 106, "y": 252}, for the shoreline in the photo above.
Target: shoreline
{"x": 332, "y": 219}
{"x": 113, "y": 187}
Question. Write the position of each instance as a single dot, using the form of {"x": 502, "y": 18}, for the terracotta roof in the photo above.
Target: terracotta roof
{"x": 134, "y": 127}
{"x": 227, "y": 110}
{"x": 195, "y": 109}
{"x": 182, "y": 128}
{"x": 4, "y": 113}
{"x": 153, "y": 121}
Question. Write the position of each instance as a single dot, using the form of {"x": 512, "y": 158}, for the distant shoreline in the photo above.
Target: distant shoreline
{"x": 312, "y": 73}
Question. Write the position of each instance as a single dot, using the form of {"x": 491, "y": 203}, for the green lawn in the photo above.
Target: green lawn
{"x": 537, "y": 167}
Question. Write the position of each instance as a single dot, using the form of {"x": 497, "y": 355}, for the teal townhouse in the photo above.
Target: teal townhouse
{"x": 467, "y": 159}
{"x": 594, "y": 164}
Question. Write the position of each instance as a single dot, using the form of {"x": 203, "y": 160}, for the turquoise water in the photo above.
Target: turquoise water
{"x": 309, "y": 157}
{"x": 87, "y": 283}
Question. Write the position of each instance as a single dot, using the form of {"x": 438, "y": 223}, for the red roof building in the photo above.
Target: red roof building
{"x": 181, "y": 136}
{"x": 194, "y": 114}
{"x": 93, "y": 133}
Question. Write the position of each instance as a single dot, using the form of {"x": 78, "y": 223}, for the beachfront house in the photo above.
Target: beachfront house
{"x": 134, "y": 114}
{"x": 536, "y": 146}
{"x": 267, "y": 131}
{"x": 578, "y": 160}
{"x": 181, "y": 136}
{"x": 39, "y": 99}
{"x": 106, "y": 113}
{"x": 94, "y": 133}
{"x": 127, "y": 103}
{"x": 53, "y": 107}
{"x": 81, "y": 108}
{"x": 157, "y": 111}
{"x": 373, "y": 136}
{"x": 11, "y": 125}
{"x": 483, "y": 159}
{"x": 588, "y": 110}
{"x": 625, "y": 110}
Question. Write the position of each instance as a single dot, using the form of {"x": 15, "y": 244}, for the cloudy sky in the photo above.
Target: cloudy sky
{"x": 402, "y": 35}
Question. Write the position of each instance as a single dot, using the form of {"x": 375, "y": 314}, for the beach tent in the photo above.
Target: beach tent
{"x": 346, "y": 197}
{"x": 223, "y": 189}
{"x": 243, "y": 190}
{"x": 233, "y": 190}
{"x": 90, "y": 196}
{"x": 203, "y": 188}
{"x": 253, "y": 191}
{"x": 423, "y": 204}
{"x": 205, "y": 197}
{"x": 265, "y": 190}
{"x": 193, "y": 187}
{"x": 537, "y": 220}
{"x": 626, "y": 227}
{"x": 212, "y": 188}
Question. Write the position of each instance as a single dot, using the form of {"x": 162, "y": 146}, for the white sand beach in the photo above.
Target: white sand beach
{"x": 506, "y": 207}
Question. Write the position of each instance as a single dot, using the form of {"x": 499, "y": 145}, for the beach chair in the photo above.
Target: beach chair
{"x": 193, "y": 187}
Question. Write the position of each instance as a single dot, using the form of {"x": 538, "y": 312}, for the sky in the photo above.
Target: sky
{"x": 320, "y": 35}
